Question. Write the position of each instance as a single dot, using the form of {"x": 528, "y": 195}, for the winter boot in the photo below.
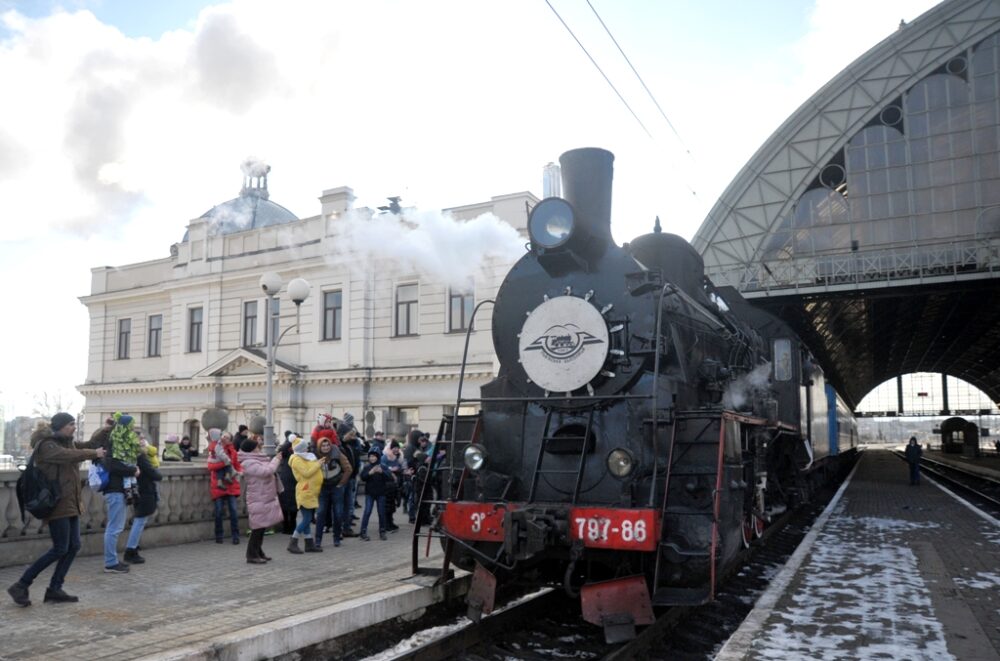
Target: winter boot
{"x": 19, "y": 593}
{"x": 293, "y": 546}
{"x": 311, "y": 546}
{"x": 133, "y": 558}
{"x": 59, "y": 596}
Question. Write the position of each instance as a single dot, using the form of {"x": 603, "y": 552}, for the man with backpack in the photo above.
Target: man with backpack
{"x": 58, "y": 458}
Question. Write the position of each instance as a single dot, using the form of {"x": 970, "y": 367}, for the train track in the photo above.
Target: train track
{"x": 549, "y": 625}
{"x": 982, "y": 490}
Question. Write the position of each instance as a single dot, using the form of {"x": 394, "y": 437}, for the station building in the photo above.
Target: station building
{"x": 172, "y": 337}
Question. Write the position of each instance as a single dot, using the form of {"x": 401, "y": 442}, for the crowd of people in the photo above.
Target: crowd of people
{"x": 310, "y": 487}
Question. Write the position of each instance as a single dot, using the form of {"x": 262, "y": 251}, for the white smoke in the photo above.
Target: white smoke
{"x": 432, "y": 243}
{"x": 743, "y": 388}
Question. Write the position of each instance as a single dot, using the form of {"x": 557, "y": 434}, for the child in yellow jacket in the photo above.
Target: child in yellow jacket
{"x": 308, "y": 482}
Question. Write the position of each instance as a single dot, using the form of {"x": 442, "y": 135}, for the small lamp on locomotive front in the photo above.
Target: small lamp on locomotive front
{"x": 620, "y": 462}
{"x": 475, "y": 457}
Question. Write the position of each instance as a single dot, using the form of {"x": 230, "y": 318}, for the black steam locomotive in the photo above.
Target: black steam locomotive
{"x": 643, "y": 427}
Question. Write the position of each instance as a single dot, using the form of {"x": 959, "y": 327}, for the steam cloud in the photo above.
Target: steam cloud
{"x": 743, "y": 388}
{"x": 432, "y": 243}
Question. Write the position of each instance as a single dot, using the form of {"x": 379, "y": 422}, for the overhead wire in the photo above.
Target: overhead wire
{"x": 598, "y": 67}
{"x": 641, "y": 81}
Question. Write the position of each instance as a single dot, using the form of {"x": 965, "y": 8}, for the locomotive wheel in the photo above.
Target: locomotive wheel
{"x": 749, "y": 529}
{"x": 758, "y": 526}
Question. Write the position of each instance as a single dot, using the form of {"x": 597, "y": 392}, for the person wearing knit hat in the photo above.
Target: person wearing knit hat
{"x": 375, "y": 477}
{"x": 308, "y": 482}
{"x": 60, "y": 420}
{"x": 351, "y": 447}
{"x": 55, "y": 453}
{"x": 172, "y": 449}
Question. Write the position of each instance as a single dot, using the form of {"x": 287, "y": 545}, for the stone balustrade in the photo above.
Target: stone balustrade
{"x": 184, "y": 514}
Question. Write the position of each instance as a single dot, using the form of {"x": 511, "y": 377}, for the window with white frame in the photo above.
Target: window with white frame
{"x": 195, "y": 316}
{"x": 406, "y": 310}
{"x": 154, "y": 335}
{"x": 249, "y": 323}
{"x": 124, "y": 338}
{"x": 460, "y": 305}
{"x": 333, "y": 310}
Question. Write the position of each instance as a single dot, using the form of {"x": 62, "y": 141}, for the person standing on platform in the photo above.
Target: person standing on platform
{"x": 375, "y": 478}
{"x": 286, "y": 497}
{"x": 336, "y": 470}
{"x": 308, "y": 480}
{"x": 117, "y": 431}
{"x": 57, "y": 456}
{"x": 350, "y": 446}
{"x": 262, "y": 487}
{"x": 224, "y": 495}
{"x": 913, "y": 454}
{"x": 145, "y": 504}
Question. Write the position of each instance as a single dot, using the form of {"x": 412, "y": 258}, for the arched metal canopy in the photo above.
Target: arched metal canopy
{"x": 870, "y": 220}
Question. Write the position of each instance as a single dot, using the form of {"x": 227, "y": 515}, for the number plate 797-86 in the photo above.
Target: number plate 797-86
{"x": 600, "y": 527}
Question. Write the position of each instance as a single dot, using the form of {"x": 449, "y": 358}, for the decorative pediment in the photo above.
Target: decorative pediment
{"x": 244, "y": 362}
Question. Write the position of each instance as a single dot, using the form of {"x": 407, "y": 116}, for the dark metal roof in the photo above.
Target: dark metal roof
{"x": 861, "y": 339}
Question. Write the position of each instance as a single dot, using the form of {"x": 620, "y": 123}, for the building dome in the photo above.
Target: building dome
{"x": 252, "y": 209}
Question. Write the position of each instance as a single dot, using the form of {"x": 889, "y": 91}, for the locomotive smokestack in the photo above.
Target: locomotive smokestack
{"x": 586, "y": 178}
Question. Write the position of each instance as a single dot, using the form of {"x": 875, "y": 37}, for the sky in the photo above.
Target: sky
{"x": 123, "y": 121}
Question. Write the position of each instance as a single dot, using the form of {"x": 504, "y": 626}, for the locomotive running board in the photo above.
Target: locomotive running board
{"x": 619, "y": 605}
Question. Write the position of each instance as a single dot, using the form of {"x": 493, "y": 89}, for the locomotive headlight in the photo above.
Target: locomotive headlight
{"x": 475, "y": 457}
{"x": 551, "y": 223}
{"x": 620, "y": 462}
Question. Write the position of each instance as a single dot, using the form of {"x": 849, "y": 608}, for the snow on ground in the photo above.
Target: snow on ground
{"x": 982, "y": 581}
{"x": 862, "y": 598}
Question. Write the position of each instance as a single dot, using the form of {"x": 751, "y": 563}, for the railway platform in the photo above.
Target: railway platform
{"x": 987, "y": 465}
{"x": 888, "y": 571}
{"x": 203, "y": 601}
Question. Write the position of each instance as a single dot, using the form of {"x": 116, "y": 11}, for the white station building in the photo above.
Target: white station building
{"x": 172, "y": 337}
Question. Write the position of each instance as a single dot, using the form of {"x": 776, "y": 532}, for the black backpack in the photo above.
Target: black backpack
{"x": 36, "y": 492}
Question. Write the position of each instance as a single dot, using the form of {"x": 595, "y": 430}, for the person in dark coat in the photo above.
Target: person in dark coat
{"x": 58, "y": 457}
{"x": 287, "y": 496}
{"x": 913, "y": 454}
{"x": 145, "y": 506}
{"x": 351, "y": 447}
{"x": 186, "y": 448}
{"x": 375, "y": 478}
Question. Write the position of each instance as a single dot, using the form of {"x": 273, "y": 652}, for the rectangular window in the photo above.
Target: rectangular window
{"x": 194, "y": 330}
{"x": 782, "y": 360}
{"x": 249, "y": 323}
{"x": 154, "y": 335}
{"x": 406, "y": 310}
{"x": 460, "y": 305}
{"x": 275, "y": 319}
{"x": 124, "y": 337}
{"x": 152, "y": 423}
{"x": 332, "y": 314}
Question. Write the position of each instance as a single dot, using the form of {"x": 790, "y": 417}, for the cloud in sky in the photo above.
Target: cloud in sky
{"x": 110, "y": 144}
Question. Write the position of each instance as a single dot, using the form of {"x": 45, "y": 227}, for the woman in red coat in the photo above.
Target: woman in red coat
{"x": 224, "y": 495}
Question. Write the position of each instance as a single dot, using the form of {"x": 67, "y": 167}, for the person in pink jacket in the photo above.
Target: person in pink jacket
{"x": 262, "y": 487}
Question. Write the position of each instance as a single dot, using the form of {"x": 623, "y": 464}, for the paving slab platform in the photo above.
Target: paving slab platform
{"x": 203, "y": 601}
{"x": 889, "y": 571}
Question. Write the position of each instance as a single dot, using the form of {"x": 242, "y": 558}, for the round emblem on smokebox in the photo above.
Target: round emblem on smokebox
{"x": 563, "y": 344}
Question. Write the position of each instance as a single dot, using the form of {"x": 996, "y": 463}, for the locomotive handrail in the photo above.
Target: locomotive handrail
{"x": 461, "y": 382}
{"x": 656, "y": 391}
{"x": 576, "y": 398}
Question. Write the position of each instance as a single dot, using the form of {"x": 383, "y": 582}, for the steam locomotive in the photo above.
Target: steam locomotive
{"x": 643, "y": 427}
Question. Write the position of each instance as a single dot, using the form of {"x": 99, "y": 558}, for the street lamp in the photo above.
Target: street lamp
{"x": 298, "y": 290}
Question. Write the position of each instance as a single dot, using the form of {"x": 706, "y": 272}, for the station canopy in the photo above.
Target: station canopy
{"x": 870, "y": 220}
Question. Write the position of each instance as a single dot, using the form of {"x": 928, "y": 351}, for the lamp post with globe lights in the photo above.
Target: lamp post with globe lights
{"x": 298, "y": 291}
